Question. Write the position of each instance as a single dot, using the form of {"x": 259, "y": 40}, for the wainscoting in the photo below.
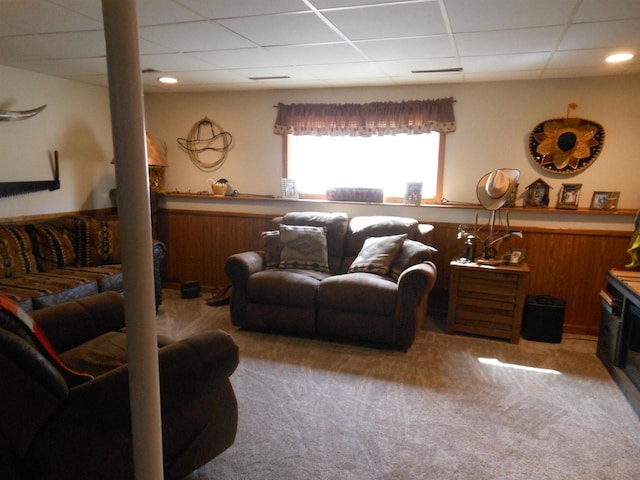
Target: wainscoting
{"x": 568, "y": 264}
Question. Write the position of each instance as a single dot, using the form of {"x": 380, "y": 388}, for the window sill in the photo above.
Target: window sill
{"x": 457, "y": 206}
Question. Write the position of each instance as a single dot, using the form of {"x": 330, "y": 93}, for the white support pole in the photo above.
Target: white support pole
{"x": 132, "y": 182}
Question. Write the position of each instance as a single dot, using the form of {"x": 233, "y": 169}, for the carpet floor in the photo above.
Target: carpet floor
{"x": 452, "y": 407}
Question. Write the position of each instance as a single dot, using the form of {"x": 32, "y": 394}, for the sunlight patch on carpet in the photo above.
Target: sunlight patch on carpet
{"x": 498, "y": 363}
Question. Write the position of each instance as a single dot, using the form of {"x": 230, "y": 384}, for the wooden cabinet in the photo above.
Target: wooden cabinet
{"x": 487, "y": 300}
{"x": 619, "y": 340}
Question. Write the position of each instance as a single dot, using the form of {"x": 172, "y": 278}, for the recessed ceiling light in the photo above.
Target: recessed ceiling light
{"x": 169, "y": 80}
{"x": 619, "y": 57}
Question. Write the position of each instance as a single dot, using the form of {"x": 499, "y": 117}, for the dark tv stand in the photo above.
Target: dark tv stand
{"x": 619, "y": 340}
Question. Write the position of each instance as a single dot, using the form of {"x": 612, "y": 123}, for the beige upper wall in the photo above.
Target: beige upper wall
{"x": 76, "y": 122}
{"x": 494, "y": 120}
{"x": 493, "y": 124}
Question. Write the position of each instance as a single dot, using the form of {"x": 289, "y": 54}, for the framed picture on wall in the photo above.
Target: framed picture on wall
{"x": 413, "y": 194}
{"x": 289, "y": 189}
{"x": 604, "y": 200}
{"x": 569, "y": 196}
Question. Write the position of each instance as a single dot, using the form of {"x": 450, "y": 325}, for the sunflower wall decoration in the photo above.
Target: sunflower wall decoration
{"x": 566, "y": 145}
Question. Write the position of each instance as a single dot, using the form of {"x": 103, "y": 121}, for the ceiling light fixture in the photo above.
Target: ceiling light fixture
{"x": 168, "y": 80}
{"x": 619, "y": 57}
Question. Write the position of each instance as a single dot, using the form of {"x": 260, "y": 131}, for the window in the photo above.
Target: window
{"x": 389, "y": 162}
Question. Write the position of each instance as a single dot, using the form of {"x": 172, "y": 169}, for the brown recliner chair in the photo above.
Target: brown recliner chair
{"x": 55, "y": 426}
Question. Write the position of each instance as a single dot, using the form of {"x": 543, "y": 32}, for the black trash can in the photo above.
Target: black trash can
{"x": 543, "y": 319}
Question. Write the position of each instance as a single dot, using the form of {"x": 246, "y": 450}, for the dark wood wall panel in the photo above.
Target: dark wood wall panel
{"x": 198, "y": 243}
{"x": 567, "y": 264}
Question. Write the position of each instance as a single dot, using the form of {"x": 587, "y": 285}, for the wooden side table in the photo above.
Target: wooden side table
{"x": 487, "y": 300}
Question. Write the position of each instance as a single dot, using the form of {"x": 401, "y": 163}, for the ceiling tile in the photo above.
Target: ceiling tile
{"x": 173, "y": 62}
{"x": 194, "y": 37}
{"x": 34, "y": 16}
{"x": 318, "y": 54}
{"x": 342, "y": 71}
{"x": 239, "y": 58}
{"x": 433, "y": 46}
{"x": 504, "y": 63}
{"x": 598, "y": 10}
{"x": 508, "y": 41}
{"x": 159, "y": 12}
{"x": 349, "y": 3}
{"x": 409, "y": 19}
{"x": 603, "y": 34}
{"x": 286, "y": 29}
{"x": 485, "y": 15}
{"x": 235, "y": 8}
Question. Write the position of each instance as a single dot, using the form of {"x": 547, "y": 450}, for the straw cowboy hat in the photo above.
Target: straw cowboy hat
{"x": 495, "y": 187}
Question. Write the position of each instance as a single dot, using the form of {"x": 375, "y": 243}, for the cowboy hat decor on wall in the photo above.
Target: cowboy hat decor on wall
{"x": 566, "y": 145}
{"x": 495, "y": 187}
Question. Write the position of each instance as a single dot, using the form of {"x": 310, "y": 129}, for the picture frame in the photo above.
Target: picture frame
{"x": 569, "y": 196}
{"x": 288, "y": 188}
{"x": 604, "y": 201}
{"x": 515, "y": 256}
{"x": 413, "y": 193}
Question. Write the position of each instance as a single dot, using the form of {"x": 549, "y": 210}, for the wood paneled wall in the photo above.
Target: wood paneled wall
{"x": 567, "y": 264}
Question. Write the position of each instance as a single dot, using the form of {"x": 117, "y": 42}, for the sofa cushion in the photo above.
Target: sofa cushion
{"x": 99, "y": 355}
{"x": 303, "y": 247}
{"x": 271, "y": 247}
{"x": 358, "y": 292}
{"x": 53, "y": 246}
{"x": 363, "y": 227}
{"x": 285, "y": 287}
{"x": 411, "y": 253}
{"x": 97, "y": 241}
{"x": 336, "y": 224}
{"x": 16, "y": 252}
{"x": 377, "y": 254}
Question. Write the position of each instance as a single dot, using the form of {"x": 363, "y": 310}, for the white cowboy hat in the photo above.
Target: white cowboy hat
{"x": 495, "y": 187}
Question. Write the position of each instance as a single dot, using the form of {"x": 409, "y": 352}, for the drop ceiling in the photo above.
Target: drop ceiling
{"x": 216, "y": 45}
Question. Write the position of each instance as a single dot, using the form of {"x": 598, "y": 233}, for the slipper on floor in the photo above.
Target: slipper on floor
{"x": 219, "y": 295}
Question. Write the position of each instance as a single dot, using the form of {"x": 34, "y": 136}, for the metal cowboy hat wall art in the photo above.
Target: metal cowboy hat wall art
{"x": 566, "y": 145}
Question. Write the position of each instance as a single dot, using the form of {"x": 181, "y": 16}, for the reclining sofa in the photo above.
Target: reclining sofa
{"x": 64, "y": 258}
{"x": 66, "y": 415}
{"x": 363, "y": 279}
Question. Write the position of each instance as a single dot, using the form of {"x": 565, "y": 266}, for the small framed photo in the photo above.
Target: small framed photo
{"x": 413, "y": 194}
{"x": 604, "y": 200}
{"x": 515, "y": 256}
{"x": 289, "y": 189}
{"x": 569, "y": 196}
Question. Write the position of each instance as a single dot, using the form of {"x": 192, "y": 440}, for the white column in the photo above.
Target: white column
{"x": 132, "y": 183}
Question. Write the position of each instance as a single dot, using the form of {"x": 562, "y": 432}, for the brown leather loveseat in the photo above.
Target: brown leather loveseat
{"x": 364, "y": 279}
{"x": 56, "y": 424}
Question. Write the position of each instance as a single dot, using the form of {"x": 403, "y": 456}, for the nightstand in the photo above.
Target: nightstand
{"x": 487, "y": 299}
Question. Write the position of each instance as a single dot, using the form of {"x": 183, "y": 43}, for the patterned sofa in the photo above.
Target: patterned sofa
{"x": 72, "y": 256}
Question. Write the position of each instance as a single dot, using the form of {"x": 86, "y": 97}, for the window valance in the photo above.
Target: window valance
{"x": 377, "y": 118}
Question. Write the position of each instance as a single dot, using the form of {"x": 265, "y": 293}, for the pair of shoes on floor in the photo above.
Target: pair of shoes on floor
{"x": 219, "y": 295}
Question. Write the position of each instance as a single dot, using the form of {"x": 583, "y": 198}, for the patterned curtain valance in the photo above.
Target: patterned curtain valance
{"x": 377, "y": 118}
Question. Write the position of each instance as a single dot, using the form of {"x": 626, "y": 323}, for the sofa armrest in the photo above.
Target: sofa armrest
{"x": 414, "y": 286}
{"x": 187, "y": 368}
{"x": 239, "y": 267}
{"x": 70, "y": 324}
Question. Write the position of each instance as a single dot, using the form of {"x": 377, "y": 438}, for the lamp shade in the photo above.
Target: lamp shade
{"x": 155, "y": 157}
